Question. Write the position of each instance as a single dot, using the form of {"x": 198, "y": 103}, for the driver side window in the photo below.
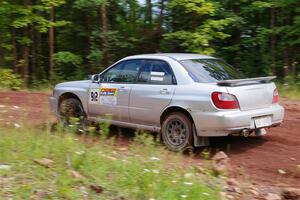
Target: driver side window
{"x": 124, "y": 72}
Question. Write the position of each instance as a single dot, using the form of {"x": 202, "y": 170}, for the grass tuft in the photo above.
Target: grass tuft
{"x": 291, "y": 91}
{"x": 143, "y": 170}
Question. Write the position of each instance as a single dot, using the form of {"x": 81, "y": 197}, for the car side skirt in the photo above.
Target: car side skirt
{"x": 127, "y": 124}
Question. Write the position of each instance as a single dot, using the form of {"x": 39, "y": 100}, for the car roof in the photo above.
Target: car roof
{"x": 175, "y": 56}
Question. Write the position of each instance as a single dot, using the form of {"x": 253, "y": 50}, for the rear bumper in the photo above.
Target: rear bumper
{"x": 53, "y": 104}
{"x": 223, "y": 123}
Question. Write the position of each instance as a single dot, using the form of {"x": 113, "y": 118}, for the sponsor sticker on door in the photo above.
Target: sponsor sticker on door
{"x": 109, "y": 91}
{"x": 108, "y": 96}
{"x": 103, "y": 96}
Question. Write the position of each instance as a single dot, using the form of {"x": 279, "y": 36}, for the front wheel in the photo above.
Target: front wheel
{"x": 71, "y": 109}
{"x": 177, "y": 132}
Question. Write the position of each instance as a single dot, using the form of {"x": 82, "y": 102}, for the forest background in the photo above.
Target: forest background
{"x": 43, "y": 42}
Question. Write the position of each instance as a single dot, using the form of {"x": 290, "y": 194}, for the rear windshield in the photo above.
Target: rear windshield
{"x": 210, "y": 70}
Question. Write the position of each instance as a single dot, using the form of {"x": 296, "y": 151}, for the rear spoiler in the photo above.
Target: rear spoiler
{"x": 246, "y": 81}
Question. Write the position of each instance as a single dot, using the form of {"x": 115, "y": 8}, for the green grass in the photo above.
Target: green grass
{"x": 290, "y": 91}
{"x": 144, "y": 171}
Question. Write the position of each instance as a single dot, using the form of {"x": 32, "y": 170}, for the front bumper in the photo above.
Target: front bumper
{"x": 53, "y": 104}
{"x": 223, "y": 123}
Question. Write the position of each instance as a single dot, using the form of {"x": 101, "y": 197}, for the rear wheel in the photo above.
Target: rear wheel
{"x": 72, "y": 109}
{"x": 177, "y": 132}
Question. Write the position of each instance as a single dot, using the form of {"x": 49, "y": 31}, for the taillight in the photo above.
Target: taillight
{"x": 275, "y": 96}
{"x": 224, "y": 100}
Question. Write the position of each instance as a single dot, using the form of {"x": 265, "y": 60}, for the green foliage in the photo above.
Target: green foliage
{"x": 258, "y": 37}
{"x": 199, "y": 7}
{"x": 291, "y": 91}
{"x": 202, "y": 31}
{"x": 42, "y": 85}
{"x": 104, "y": 126}
{"x": 9, "y": 80}
{"x": 144, "y": 138}
{"x": 200, "y": 40}
{"x": 30, "y": 15}
{"x": 54, "y": 3}
{"x": 130, "y": 174}
{"x": 298, "y": 168}
{"x": 92, "y": 4}
{"x": 67, "y": 65}
{"x": 66, "y": 58}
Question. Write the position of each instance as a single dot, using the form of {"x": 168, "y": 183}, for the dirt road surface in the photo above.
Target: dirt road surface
{"x": 255, "y": 160}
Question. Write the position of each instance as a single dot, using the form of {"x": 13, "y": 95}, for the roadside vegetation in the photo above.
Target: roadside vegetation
{"x": 290, "y": 91}
{"x": 40, "y": 164}
{"x": 9, "y": 80}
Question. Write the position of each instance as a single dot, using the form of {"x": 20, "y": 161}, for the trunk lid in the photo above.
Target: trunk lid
{"x": 251, "y": 93}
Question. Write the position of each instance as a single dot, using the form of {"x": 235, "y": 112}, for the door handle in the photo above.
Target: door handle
{"x": 164, "y": 91}
{"x": 122, "y": 89}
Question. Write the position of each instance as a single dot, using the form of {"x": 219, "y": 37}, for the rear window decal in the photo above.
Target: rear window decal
{"x": 154, "y": 78}
{"x": 157, "y": 73}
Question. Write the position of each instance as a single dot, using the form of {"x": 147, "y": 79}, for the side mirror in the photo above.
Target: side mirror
{"x": 95, "y": 78}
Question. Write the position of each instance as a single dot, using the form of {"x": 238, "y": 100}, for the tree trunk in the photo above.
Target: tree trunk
{"x": 236, "y": 39}
{"x": 103, "y": 17}
{"x": 148, "y": 13}
{"x": 25, "y": 67}
{"x": 273, "y": 41}
{"x": 104, "y": 29}
{"x": 51, "y": 44}
{"x": 161, "y": 14}
{"x": 294, "y": 63}
{"x": 286, "y": 47}
{"x": 33, "y": 53}
{"x": 286, "y": 60}
{"x": 132, "y": 11}
{"x": 14, "y": 50}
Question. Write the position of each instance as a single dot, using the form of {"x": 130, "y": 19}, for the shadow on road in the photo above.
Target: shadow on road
{"x": 233, "y": 144}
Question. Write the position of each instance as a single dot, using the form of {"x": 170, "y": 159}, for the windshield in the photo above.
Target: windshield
{"x": 210, "y": 70}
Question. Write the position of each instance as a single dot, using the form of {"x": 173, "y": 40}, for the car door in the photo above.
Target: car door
{"x": 151, "y": 93}
{"x": 111, "y": 94}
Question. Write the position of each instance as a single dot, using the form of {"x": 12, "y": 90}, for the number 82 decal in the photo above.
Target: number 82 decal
{"x": 94, "y": 96}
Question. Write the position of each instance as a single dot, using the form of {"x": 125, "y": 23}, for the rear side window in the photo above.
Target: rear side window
{"x": 156, "y": 72}
{"x": 210, "y": 70}
{"x": 124, "y": 72}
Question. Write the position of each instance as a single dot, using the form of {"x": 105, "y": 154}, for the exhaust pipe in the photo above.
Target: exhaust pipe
{"x": 260, "y": 132}
{"x": 245, "y": 133}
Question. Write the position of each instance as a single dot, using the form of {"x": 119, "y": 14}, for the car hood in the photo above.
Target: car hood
{"x": 81, "y": 84}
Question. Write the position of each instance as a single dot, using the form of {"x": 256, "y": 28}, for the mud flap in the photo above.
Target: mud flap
{"x": 200, "y": 141}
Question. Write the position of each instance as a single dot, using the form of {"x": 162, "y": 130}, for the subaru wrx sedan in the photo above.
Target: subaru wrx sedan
{"x": 186, "y": 97}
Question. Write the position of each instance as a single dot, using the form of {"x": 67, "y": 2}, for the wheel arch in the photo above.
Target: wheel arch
{"x": 198, "y": 141}
{"x": 172, "y": 109}
{"x": 68, "y": 95}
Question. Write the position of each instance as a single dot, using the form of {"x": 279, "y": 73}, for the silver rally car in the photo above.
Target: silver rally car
{"x": 186, "y": 97}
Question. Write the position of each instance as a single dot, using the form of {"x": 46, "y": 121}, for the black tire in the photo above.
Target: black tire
{"x": 177, "y": 132}
{"x": 72, "y": 108}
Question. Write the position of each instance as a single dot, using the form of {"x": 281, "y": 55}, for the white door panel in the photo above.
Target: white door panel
{"x": 147, "y": 102}
{"x": 152, "y": 93}
{"x": 107, "y": 98}
{"x": 111, "y": 96}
